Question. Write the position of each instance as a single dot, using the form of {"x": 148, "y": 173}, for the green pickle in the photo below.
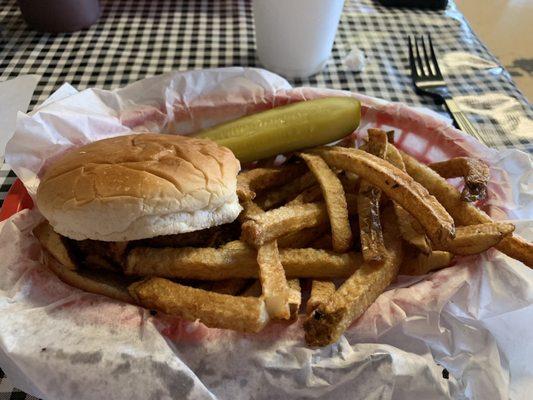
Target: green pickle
{"x": 292, "y": 127}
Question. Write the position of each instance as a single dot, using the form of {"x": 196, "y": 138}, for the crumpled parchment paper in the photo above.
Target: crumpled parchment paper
{"x": 57, "y": 342}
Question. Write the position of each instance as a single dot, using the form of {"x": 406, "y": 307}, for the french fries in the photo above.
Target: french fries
{"x": 321, "y": 291}
{"x": 327, "y": 322}
{"x": 422, "y": 264}
{"x": 335, "y": 200}
{"x": 273, "y": 282}
{"x": 463, "y": 212}
{"x": 244, "y": 314}
{"x": 368, "y": 202}
{"x": 474, "y": 172}
{"x": 398, "y": 186}
{"x": 236, "y": 260}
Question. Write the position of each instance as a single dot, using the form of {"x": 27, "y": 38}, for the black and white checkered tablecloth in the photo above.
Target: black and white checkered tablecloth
{"x": 136, "y": 39}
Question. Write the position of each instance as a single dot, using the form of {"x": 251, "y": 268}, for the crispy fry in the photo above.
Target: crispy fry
{"x": 421, "y": 264}
{"x": 309, "y": 195}
{"x": 244, "y": 314}
{"x": 232, "y": 286}
{"x": 288, "y": 219}
{"x": 295, "y": 298}
{"x": 273, "y": 282}
{"x": 335, "y": 200}
{"x": 371, "y": 235}
{"x": 236, "y": 260}
{"x": 475, "y": 239}
{"x": 282, "y": 221}
{"x": 411, "y": 230}
{"x": 474, "y": 172}
{"x": 301, "y": 239}
{"x": 368, "y": 202}
{"x": 398, "y": 186}
{"x": 287, "y": 192}
{"x": 357, "y": 293}
{"x": 465, "y": 213}
{"x": 257, "y": 179}
{"x": 321, "y": 291}
{"x": 314, "y": 263}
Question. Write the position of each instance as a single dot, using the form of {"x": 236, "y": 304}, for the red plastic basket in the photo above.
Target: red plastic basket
{"x": 17, "y": 199}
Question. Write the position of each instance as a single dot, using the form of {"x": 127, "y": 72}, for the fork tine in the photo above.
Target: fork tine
{"x": 419, "y": 63}
{"x": 412, "y": 58}
{"x": 426, "y": 57}
{"x": 433, "y": 56}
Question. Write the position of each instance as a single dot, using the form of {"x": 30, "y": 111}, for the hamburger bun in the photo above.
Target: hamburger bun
{"x": 140, "y": 186}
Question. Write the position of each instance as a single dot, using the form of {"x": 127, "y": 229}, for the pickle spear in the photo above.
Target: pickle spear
{"x": 292, "y": 127}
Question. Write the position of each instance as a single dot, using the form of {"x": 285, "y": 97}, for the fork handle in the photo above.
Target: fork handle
{"x": 461, "y": 121}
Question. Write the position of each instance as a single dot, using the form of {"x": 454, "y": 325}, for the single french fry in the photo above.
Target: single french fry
{"x": 236, "y": 260}
{"x": 273, "y": 282}
{"x": 284, "y": 194}
{"x": 474, "y": 172}
{"x": 288, "y": 219}
{"x": 368, "y": 204}
{"x": 411, "y": 230}
{"x": 327, "y": 322}
{"x": 281, "y": 221}
{"x": 463, "y": 212}
{"x": 295, "y": 298}
{"x": 257, "y": 179}
{"x": 321, "y": 291}
{"x": 335, "y": 200}
{"x": 244, "y": 314}
{"x": 372, "y": 245}
{"x": 398, "y": 186}
{"x": 422, "y": 264}
{"x": 475, "y": 239}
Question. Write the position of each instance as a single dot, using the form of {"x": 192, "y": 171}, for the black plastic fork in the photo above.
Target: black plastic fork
{"x": 428, "y": 80}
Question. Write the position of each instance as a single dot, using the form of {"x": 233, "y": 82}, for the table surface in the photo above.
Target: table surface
{"x": 136, "y": 39}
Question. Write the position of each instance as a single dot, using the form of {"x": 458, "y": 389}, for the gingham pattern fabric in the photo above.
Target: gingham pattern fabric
{"x": 136, "y": 39}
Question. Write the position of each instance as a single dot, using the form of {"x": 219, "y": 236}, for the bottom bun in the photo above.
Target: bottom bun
{"x": 105, "y": 283}
{"x": 101, "y": 282}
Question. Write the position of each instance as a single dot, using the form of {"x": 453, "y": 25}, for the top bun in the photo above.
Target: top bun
{"x": 140, "y": 186}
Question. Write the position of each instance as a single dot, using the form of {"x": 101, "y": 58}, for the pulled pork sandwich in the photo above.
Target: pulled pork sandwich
{"x": 103, "y": 198}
